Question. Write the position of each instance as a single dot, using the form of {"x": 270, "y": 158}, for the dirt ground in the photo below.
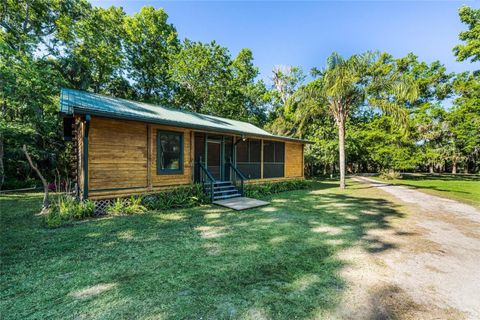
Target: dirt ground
{"x": 432, "y": 269}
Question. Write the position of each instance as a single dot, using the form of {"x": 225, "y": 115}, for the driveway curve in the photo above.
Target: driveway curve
{"x": 433, "y": 272}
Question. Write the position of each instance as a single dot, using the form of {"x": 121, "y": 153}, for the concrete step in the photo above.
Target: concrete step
{"x": 233, "y": 195}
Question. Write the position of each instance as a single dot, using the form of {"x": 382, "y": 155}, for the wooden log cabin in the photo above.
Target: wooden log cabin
{"x": 122, "y": 148}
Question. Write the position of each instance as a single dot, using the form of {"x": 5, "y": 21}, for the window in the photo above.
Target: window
{"x": 169, "y": 152}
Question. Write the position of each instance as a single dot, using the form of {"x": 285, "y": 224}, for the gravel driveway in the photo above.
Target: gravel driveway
{"x": 432, "y": 269}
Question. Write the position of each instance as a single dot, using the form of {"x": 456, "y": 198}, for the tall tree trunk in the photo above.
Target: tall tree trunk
{"x": 44, "y": 182}
{"x": 430, "y": 168}
{"x": 454, "y": 167}
{"x": 341, "y": 151}
{"x": 2, "y": 169}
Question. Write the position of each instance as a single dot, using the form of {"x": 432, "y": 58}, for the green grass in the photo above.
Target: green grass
{"x": 275, "y": 262}
{"x": 465, "y": 188}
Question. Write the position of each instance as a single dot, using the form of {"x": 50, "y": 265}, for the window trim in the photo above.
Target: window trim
{"x": 170, "y": 171}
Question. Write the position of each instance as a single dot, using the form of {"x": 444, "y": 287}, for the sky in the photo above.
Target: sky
{"x": 305, "y": 33}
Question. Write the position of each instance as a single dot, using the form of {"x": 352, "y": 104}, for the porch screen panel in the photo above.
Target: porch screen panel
{"x": 249, "y": 157}
{"x": 228, "y": 156}
{"x": 199, "y": 152}
{"x": 273, "y": 159}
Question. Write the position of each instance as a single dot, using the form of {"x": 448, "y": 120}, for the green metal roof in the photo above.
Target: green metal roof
{"x": 82, "y": 102}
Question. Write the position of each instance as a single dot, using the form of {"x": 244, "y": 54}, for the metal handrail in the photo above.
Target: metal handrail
{"x": 205, "y": 173}
{"x": 237, "y": 173}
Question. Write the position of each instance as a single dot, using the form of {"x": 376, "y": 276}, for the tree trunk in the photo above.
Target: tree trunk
{"x": 430, "y": 168}
{"x": 44, "y": 182}
{"x": 2, "y": 169}
{"x": 341, "y": 151}
{"x": 454, "y": 167}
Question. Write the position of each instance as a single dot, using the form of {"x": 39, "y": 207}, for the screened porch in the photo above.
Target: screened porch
{"x": 254, "y": 158}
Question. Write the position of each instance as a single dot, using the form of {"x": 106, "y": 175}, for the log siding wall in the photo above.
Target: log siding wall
{"x": 293, "y": 160}
{"x": 123, "y": 159}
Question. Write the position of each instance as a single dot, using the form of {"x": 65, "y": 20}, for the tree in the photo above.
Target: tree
{"x": 346, "y": 84}
{"x": 44, "y": 181}
{"x": 149, "y": 44}
{"x": 246, "y": 95}
{"x": 286, "y": 81}
{"x": 471, "y": 37}
{"x": 209, "y": 81}
{"x": 92, "y": 53}
{"x": 201, "y": 71}
{"x": 29, "y": 88}
{"x": 464, "y": 119}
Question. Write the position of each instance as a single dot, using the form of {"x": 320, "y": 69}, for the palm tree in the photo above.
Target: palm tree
{"x": 346, "y": 84}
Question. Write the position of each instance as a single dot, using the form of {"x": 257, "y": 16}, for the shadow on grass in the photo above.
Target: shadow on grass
{"x": 443, "y": 176}
{"x": 275, "y": 262}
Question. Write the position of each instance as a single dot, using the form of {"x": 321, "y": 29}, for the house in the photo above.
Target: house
{"x": 122, "y": 147}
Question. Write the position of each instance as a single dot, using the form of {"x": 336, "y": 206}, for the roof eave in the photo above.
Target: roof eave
{"x": 80, "y": 110}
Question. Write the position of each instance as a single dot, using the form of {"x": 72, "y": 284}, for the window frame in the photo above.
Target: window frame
{"x": 161, "y": 171}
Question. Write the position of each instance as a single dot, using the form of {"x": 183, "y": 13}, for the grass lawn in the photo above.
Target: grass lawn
{"x": 465, "y": 188}
{"x": 275, "y": 262}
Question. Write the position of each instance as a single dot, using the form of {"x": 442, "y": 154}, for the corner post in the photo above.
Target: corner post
{"x": 149, "y": 157}
{"x": 261, "y": 159}
{"x": 85, "y": 156}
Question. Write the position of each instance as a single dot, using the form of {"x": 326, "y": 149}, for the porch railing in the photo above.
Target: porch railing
{"x": 206, "y": 178}
{"x": 237, "y": 178}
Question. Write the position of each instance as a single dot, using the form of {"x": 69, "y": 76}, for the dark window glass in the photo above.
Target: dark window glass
{"x": 169, "y": 152}
{"x": 255, "y": 150}
{"x": 279, "y": 152}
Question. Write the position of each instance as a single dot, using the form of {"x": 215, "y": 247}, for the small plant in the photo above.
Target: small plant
{"x": 88, "y": 209}
{"x": 134, "y": 205}
{"x": 390, "y": 175}
{"x": 66, "y": 208}
{"x": 181, "y": 197}
{"x": 265, "y": 189}
{"x": 115, "y": 208}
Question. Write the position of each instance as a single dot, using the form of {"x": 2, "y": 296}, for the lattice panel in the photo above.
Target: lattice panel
{"x": 101, "y": 205}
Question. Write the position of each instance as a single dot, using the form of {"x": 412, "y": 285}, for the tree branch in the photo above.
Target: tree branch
{"x": 44, "y": 182}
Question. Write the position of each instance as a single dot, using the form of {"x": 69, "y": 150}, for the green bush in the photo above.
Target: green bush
{"x": 133, "y": 205}
{"x": 265, "y": 189}
{"x": 66, "y": 208}
{"x": 180, "y": 197}
{"x": 390, "y": 175}
{"x": 115, "y": 208}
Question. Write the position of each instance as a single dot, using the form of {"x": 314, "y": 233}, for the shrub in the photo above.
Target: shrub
{"x": 134, "y": 205}
{"x": 390, "y": 175}
{"x": 265, "y": 189}
{"x": 115, "y": 208}
{"x": 180, "y": 197}
{"x": 66, "y": 208}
